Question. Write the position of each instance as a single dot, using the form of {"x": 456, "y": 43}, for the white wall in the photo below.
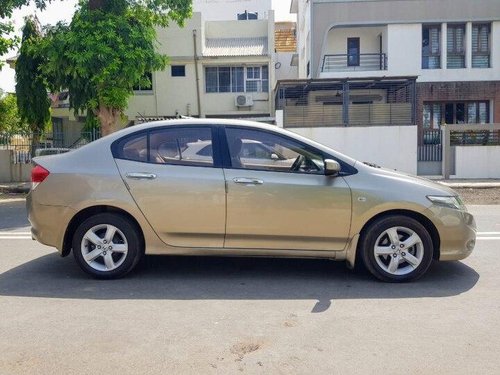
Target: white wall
{"x": 392, "y": 147}
{"x": 285, "y": 71}
{"x": 404, "y": 49}
{"x": 236, "y": 29}
{"x": 303, "y": 37}
{"x": 10, "y": 172}
{"x": 477, "y": 162}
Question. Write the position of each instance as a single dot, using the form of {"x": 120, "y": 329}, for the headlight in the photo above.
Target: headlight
{"x": 447, "y": 201}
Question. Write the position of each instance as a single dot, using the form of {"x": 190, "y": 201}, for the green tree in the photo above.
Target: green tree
{"x": 32, "y": 98}
{"x": 6, "y": 8}
{"x": 105, "y": 51}
{"x": 10, "y": 121}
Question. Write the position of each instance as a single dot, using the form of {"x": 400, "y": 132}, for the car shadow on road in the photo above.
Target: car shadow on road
{"x": 198, "y": 278}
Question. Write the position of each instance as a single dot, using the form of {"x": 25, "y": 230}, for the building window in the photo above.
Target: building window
{"x": 248, "y": 16}
{"x": 146, "y": 83}
{"x": 471, "y": 112}
{"x": 481, "y": 45}
{"x": 432, "y": 116}
{"x": 353, "y": 52}
{"x": 178, "y": 70}
{"x": 237, "y": 79}
{"x": 257, "y": 79}
{"x": 431, "y": 50}
{"x": 456, "y": 46}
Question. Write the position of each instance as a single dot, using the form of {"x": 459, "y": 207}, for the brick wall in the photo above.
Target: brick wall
{"x": 456, "y": 91}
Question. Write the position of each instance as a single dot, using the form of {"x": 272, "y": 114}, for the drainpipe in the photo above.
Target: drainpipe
{"x": 195, "y": 56}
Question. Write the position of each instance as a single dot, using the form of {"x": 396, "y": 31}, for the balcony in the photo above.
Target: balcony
{"x": 351, "y": 102}
{"x": 363, "y": 62}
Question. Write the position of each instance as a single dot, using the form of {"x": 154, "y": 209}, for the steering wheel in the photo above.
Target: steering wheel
{"x": 298, "y": 163}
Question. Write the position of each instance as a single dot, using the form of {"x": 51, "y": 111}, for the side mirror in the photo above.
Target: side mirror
{"x": 332, "y": 167}
{"x": 275, "y": 156}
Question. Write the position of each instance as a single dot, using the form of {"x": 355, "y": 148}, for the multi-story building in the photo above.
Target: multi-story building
{"x": 449, "y": 48}
{"x": 217, "y": 69}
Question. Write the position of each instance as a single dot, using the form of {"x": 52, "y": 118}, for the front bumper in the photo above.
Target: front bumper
{"x": 457, "y": 232}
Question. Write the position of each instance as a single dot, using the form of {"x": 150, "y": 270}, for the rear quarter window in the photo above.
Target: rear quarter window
{"x": 133, "y": 148}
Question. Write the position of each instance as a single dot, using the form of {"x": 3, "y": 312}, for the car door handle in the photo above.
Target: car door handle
{"x": 247, "y": 181}
{"x": 141, "y": 176}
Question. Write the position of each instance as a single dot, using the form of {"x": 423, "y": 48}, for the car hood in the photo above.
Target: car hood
{"x": 407, "y": 178}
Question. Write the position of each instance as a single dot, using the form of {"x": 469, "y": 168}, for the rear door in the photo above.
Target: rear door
{"x": 180, "y": 193}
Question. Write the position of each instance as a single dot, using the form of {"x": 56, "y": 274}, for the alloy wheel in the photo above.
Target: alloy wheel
{"x": 104, "y": 247}
{"x": 398, "y": 250}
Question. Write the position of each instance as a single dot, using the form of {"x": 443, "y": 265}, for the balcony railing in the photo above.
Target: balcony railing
{"x": 365, "y": 62}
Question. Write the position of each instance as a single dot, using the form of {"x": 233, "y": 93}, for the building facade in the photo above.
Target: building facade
{"x": 217, "y": 69}
{"x": 450, "y": 46}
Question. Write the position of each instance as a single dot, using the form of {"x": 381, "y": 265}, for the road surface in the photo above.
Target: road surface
{"x": 257, "y": 316}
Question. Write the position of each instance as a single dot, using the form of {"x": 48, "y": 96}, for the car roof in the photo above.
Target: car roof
{"x": 109, "y": 139}
{"x": 200, "y": 121}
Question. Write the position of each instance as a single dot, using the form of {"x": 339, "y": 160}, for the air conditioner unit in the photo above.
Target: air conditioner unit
{"x": 243, "y": 101}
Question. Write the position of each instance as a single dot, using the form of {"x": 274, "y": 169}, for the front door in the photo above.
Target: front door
{"x": 272, "y": 207}
{"x": 353, "y": 52}
{"x": 180, "y": 192}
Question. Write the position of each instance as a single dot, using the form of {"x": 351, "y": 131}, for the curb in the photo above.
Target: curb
{"x": 471, "y": 185}
{"x": 20, "y": 188}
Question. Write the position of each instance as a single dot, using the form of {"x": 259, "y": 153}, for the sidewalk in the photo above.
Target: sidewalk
{"x": 472, "y": 184}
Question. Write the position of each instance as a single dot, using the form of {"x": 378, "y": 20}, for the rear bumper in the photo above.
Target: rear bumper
{"x": 48, "y": 223}
{"x": 457, "y": 232}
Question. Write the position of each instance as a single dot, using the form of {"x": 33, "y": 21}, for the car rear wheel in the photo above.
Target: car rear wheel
{"x": 397, "y": 249}
{"x": 107, "y": 246}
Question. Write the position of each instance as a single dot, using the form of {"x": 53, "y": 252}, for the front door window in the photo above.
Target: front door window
{"x": 258, "y": 150}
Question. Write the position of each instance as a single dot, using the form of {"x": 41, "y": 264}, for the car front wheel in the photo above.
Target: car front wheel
{"x": 107, "y": 246}
{"x": 397, "y": 249}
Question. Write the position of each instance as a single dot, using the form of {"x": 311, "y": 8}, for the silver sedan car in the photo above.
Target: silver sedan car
{"x": 143, "y": 190}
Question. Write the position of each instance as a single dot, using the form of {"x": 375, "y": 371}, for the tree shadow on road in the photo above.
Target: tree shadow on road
{"x": 198, "y": 278}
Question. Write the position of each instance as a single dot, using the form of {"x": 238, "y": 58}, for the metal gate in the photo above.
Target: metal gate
{"x": 430, "y": 147}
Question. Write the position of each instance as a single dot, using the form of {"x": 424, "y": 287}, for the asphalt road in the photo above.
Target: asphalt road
{"x": 258, "y": 316}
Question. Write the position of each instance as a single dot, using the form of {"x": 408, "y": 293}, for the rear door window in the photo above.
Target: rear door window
{"x": 181, "y": 146}
{"x": 172, "y": 145}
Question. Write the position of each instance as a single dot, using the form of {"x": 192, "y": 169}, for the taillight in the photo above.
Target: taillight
{"x": 38, "y": 174}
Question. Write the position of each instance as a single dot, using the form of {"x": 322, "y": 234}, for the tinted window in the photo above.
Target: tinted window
{"x": 253, "y": 149}
{"x": 134, "y": 148}
{"x": 168, "y": 146}
{"x": 180, "y": 146}
{"x": 205, "y": 151}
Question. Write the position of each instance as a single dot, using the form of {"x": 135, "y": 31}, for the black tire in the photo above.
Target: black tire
{"x": 127, "y": 235}
{"x": 378, "y": 265}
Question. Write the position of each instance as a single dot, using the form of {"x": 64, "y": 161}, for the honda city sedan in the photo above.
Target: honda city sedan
{"x": 239, "y": 188}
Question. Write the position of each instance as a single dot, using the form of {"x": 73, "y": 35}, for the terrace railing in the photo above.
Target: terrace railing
{"x": 364, "y": 62}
